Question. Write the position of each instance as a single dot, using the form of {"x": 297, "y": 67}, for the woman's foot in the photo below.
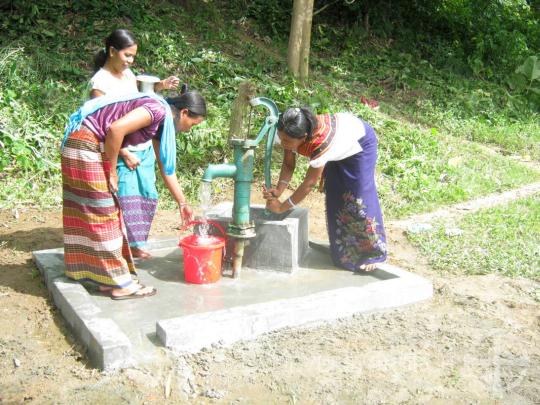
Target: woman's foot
{"x": 105, "y": 288}
{"x": 368, "y": 267}
{"x": 140, "y": 253}
{"x": 133, "y": 291}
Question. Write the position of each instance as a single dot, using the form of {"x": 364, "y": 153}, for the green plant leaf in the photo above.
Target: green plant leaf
{"x": 530, "y": 68}
{"x": 517, "y": 82}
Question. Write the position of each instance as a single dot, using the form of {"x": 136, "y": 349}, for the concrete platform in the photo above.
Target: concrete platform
{"x": 187, "y": 317}
{"x": 286, "y": 233}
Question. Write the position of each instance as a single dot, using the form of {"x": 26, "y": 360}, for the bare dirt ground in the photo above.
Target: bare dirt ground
{"x": 476, "y": 341}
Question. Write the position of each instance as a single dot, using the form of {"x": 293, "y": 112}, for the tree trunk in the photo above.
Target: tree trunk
{"x": 306, "y": 41}
{"x": 295, "y": 37}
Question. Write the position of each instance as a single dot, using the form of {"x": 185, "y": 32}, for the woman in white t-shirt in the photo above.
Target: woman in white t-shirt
{"x": 112, "y": 73}
{"x": 137, "y": 192}
{"x": 342, "y": 149}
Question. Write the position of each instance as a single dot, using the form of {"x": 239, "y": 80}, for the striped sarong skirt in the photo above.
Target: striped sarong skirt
{"x": 95, "y": 243}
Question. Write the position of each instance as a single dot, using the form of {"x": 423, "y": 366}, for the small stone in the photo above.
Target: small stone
{"x": 16, "y": 362}
{"x": 453, "y": 232}
{"x": 219, "y": 358}
{"x": 443, "y": 178}
{"x": 212, "y": 393}
{"x": 139, "y": 377}
{"x": 419, "y": 228}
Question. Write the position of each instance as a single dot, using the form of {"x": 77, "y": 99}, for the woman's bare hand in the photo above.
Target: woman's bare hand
{"x": 113, "y": 181}
{"x": 130, "y": 159}
{"x": 273, "y": 205}
{"x": 186, "y": 213}
{"x": 269, "y": 193}
{"x": 170, "y": 82}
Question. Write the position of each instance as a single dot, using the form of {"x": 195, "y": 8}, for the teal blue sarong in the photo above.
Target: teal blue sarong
{"x": 138, "y": 195}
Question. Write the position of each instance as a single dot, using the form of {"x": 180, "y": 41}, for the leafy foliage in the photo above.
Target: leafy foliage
{"x": 526, "y": 79}
{"x": 425, "y": 114}
{"x": 487, "y": 38}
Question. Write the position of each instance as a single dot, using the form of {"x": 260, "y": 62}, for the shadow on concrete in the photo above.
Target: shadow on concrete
{"x": 378, "y": 274}
{"x": 154, "y": 339}
{"x": 170, "y": 268}
{"x": 319, "y": 259}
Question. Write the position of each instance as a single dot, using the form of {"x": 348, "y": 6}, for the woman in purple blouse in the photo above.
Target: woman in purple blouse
{"x": 96, "y": 248}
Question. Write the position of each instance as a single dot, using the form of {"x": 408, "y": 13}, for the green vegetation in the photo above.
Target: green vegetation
{"x": 482, "y": 37}
{"x": 502, "y": 240}
{"x": 431, "y": 106}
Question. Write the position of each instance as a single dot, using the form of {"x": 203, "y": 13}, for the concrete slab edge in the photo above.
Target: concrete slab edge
{"x": 193, "y": 332}
{"x": 108, "y": 347}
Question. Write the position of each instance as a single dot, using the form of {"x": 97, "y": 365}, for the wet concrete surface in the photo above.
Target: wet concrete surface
{"x": 176, "y": 299}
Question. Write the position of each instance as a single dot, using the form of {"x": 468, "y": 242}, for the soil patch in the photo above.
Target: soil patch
{"x": 476, "y": 341}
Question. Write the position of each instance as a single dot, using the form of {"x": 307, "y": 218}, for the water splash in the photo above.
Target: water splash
{"x": 202, "y": 240}
{"x": 205, "y": 198}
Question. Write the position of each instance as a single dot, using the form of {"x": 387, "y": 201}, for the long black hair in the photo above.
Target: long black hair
{"x": 119, "y": 39}
{"x": 193, "y": 101}
{"x": 297, "y": 122}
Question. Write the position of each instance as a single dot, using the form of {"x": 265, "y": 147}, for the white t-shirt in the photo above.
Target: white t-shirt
{"x": 349, "y": 129}
{"x": 104, "y": 81}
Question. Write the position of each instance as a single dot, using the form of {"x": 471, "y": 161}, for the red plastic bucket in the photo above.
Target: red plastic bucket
{"x": 202, "y": 256}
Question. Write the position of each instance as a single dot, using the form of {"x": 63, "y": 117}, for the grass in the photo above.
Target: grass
{"x": 422, "y": 169}
{"x": 411, "y": 88}
{"x": 503, "y": 240}
{"x": 426, "y": 114}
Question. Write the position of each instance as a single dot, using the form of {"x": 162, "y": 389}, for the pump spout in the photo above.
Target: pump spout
{"x": 219, "y": 170}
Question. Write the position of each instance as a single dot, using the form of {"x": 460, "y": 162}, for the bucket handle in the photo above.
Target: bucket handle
{"x": 213, "y": 223}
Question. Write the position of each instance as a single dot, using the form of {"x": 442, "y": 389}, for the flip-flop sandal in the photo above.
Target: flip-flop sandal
{"x": 106, "y": 289}
{"x": 368, "y": 268}
{"x": 139, "y": 293}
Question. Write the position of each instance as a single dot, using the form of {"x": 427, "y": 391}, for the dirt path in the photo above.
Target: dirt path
{"x": 476, "y": 341}
{"x": 488, "y": 201}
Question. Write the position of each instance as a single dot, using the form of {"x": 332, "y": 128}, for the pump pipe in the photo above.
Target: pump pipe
{"x": 220, "y": 170}
{"x": 241, "y": 171}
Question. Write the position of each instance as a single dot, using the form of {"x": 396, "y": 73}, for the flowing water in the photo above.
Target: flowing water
{"x": 200, "y": 264}
{"x": 205, "y": 197}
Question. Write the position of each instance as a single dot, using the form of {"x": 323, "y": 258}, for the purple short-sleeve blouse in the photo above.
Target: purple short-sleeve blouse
{"x": 100, "y": 121}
